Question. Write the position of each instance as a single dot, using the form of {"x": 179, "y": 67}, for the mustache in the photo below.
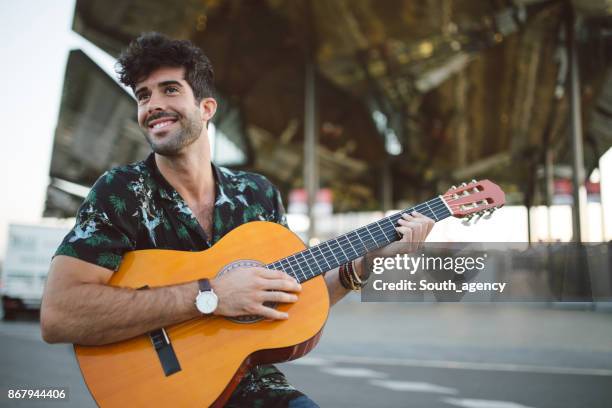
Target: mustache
{"x": 160, "y": 115}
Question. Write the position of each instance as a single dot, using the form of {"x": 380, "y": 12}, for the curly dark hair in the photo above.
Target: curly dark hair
{"x": 151, "y": 51}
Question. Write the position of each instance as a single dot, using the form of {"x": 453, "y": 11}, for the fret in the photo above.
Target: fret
{"x": 373, "y": 239}
{"x": 297, "y": 264}
{"x": 338, "y": 252}
{"x": 288, "y": 267}
{"x": 383, "y": 231}
{"x": 289, "y": 261}
{"x": 363, "y": 248}
{"x": 332, "y": 252}
{"x": 324, "y": 257}
{"x": 334, "y": 249}
{"x": 320, "y": 268}
{"x": 356, "y": 254}
{"x": 367, "y": 239}
{"x": 395, "y": 233}
{"x": 348, "y": 258}
{"x": 305, "y": 261}
{"x": 433, "y": 213}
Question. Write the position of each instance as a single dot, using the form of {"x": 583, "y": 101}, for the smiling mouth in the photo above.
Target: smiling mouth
{"x": 161, "y": 124}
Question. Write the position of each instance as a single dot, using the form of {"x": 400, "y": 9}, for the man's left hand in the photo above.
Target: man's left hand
{"x": 414, "y": 229}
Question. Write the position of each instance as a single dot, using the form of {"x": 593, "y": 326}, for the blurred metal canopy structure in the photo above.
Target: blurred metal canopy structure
{"x": 95, "y": 130}
{"x": 411, "y": 96}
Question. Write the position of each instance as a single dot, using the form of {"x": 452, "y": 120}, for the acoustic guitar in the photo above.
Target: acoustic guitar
{"x": 199, "y": 362}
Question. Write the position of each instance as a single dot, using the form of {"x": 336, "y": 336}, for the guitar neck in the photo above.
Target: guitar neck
{"x": 331, "y": 254}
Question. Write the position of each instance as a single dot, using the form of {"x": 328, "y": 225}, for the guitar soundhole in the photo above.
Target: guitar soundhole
{"x": 245, "y": 263}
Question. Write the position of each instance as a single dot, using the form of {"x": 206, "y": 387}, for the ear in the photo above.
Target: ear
{"x": 208, "y": 107}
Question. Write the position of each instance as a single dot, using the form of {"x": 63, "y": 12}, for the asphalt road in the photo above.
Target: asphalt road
{"x": 398, "y": 355}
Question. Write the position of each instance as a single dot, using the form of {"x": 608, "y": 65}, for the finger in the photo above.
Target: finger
{"x": 286, "y": 285}
{"x": 406, "y": 234}
{"x": 413, "y": 225}
{"x": 423, "y": 218}
{"x": 427, "y": 223}
{"x": 273, "y": 274}
{"x": 422, "y": 227}
{"x": 269, "y": 313}
{"x": 279, "y": 297}
{"x": 430, "y": 225}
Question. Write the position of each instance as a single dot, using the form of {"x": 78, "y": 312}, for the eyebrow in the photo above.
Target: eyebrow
{"x": 159, "y": 85}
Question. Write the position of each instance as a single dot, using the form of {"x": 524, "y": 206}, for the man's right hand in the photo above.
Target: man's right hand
{"x": 244, "y": 290}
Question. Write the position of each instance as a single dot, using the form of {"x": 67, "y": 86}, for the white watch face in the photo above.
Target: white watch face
{"x": 206, "y": 302}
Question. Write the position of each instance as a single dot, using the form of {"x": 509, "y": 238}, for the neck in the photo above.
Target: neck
{"x": 190, "y": 171}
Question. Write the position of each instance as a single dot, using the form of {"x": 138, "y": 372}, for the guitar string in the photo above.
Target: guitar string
{"x": 286, "y": 263}
{"x": 434, "y": 209}
{"x": 187, "y": 325}
{"x": 376, "y": 238}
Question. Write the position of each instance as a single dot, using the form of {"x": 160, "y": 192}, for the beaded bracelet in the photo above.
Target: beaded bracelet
{"x": 343, "y": 279}
{"x": 349, "y": 278}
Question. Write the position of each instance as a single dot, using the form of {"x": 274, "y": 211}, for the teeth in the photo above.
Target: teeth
{"x": 161, "y": 124}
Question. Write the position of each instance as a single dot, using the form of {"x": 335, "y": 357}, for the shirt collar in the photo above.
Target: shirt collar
{"x": 165, "y": 189}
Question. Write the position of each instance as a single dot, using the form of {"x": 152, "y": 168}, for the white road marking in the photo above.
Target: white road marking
{"x": 463, "y": 365}
{"x": 478, "y": 403}
{"x": 353, "y": 372}
{"x": 413, "y": 386}
{"x": 311, "y": 361}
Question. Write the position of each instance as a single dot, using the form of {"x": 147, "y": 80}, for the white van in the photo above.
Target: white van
{"x": 26, "y": 264}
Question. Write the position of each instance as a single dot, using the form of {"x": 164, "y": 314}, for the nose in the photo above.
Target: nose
{"x": 155, "y": 103}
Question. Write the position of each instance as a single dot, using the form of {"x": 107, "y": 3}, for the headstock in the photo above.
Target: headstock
{"x": 474, "y": 199}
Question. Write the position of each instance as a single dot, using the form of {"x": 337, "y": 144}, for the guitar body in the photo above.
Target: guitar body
{"x": 214, "y": 352}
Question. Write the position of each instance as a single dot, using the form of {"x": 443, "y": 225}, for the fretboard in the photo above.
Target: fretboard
{"x": 331, "y": 254}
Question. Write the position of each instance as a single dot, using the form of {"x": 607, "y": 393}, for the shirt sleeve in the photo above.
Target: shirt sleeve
{"x": 280, "y": 216}
{"x": 102, "y": 232}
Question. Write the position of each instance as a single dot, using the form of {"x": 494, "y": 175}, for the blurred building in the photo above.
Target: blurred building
{"x": 411, "y": 97}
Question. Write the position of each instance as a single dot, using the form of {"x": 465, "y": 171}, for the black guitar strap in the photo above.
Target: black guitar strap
{"x": 164, "y": 349}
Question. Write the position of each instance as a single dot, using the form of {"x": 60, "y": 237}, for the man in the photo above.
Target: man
{"x": 175, "y": 199}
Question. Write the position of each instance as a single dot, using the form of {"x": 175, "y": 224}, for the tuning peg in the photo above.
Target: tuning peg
{"x": 474, "y": 190}
{"x": 463, "y": 184}
{"x": 466, "y": 193}
{"x": 475, "y": 205}
{"x": 484, "y": 202}
{"x": 467, "y": 219}
{"x": 455, "y": 196}
{"x": 473, "y": 181}
{"x": 453, "y": 187}
{"x": 489, "y": 214}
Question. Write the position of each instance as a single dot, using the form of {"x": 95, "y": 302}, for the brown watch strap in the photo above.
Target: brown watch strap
{"x": 204, "y": 285}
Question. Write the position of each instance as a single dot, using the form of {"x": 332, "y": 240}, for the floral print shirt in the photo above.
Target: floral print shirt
{"x": 133, "y": 207}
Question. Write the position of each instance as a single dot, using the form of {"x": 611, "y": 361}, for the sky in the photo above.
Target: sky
{"x": 36, "y": 38}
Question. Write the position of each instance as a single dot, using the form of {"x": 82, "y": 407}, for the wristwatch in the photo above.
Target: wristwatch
{"x": 206, "y": 301}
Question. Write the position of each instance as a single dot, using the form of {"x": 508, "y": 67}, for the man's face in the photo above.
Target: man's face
{"x": 167, "y": 111}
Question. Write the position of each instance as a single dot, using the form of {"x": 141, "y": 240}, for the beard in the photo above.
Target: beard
{"x": 173, "y": 143}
